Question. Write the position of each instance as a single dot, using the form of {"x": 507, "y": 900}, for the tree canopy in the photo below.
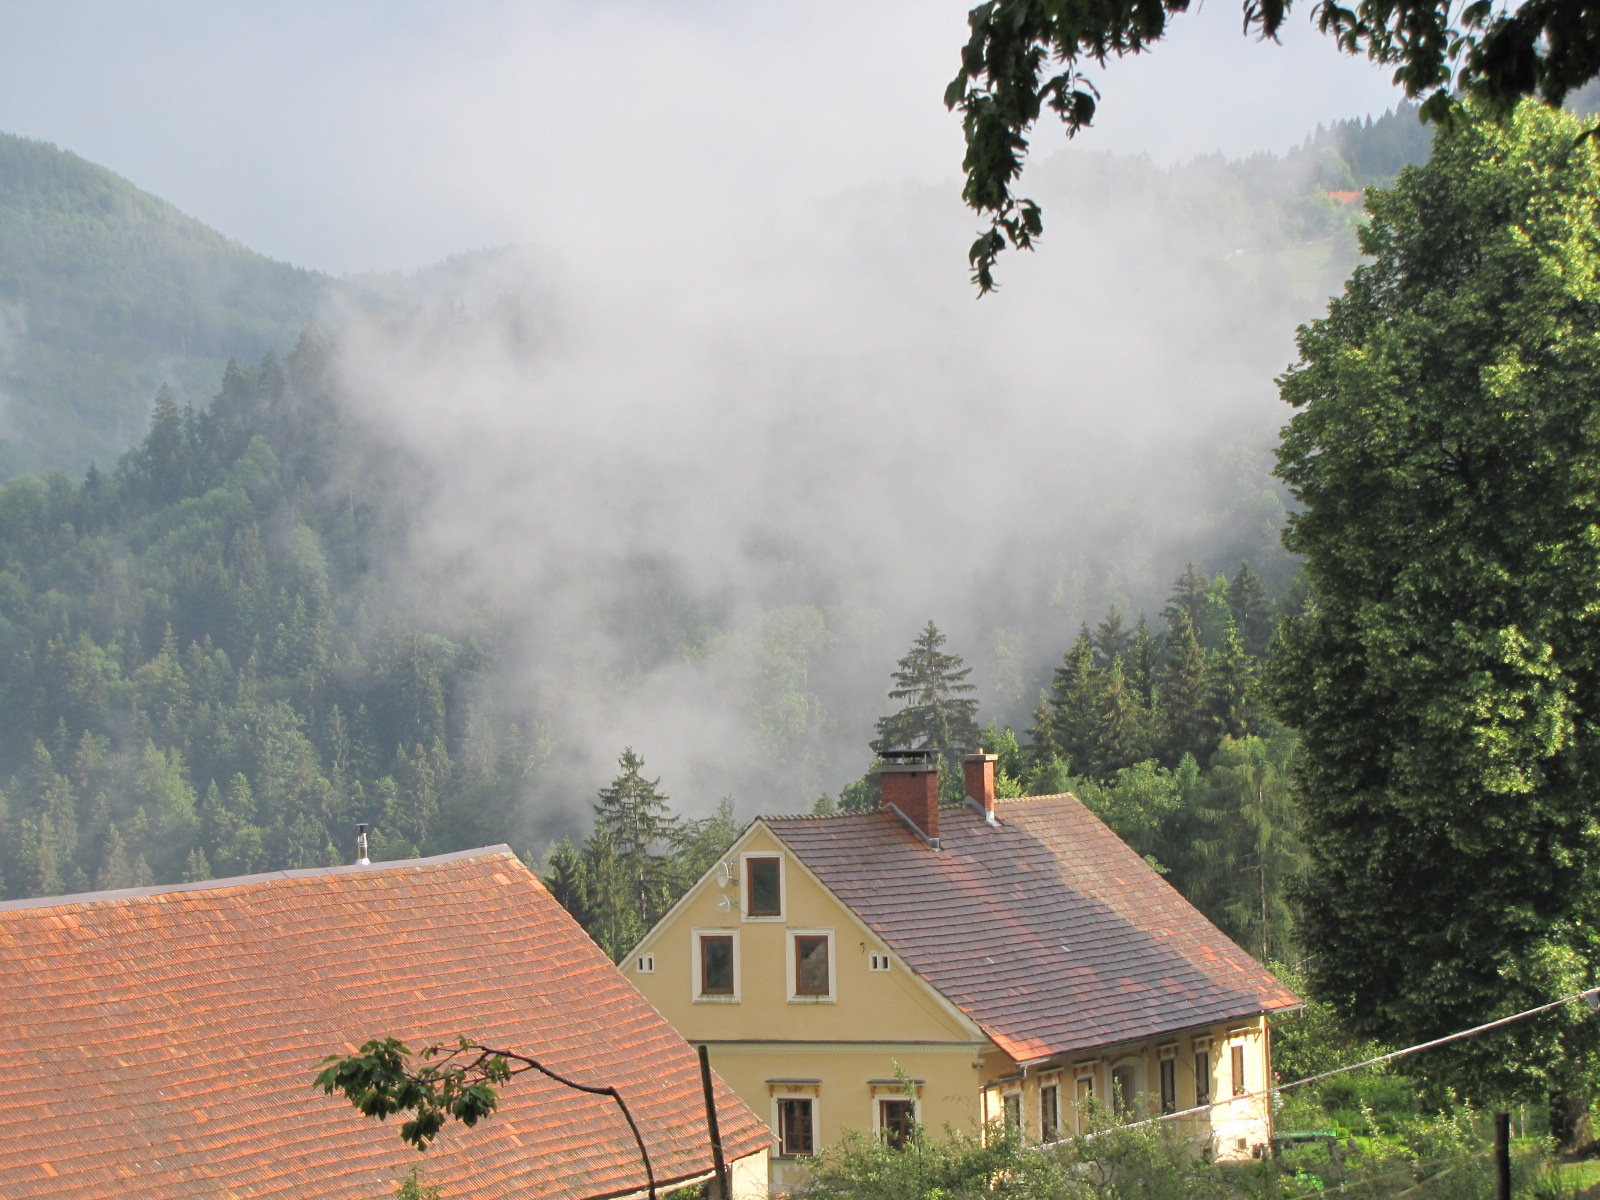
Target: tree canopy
{"x": 1446, "y": 453}
{"x": 1026, "y": 56}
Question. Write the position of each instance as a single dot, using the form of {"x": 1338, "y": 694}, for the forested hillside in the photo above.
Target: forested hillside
{"x": 106, "y": 292}
{"x": 198, "y": 678}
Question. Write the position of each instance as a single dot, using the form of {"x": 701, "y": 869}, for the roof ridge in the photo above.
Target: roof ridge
{"x": 200, "y": 885}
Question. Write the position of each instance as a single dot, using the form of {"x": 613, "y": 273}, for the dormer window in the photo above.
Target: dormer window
{"x": 763, "y": 886}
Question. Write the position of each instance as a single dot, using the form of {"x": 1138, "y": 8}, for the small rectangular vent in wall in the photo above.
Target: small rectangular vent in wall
{"x": 877, "y": 962}
{"x": 647, "y": 964}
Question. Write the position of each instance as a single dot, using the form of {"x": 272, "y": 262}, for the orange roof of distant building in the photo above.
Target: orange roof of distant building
{"x": 1345, "y": 197}
{"x": 1046, "y": 929}
{"x": 160, "y": 1043}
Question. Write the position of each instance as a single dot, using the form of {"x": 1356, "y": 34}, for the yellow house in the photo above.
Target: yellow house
{"x": 1002, "y": 961}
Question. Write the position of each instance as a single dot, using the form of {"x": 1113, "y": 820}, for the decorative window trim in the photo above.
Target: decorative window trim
{"x": 744, "y": 886}
{"x": 695, "y": 992}
{"x": 792, "y": 966}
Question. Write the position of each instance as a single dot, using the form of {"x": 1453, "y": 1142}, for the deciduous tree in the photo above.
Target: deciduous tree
{"x": 1446, "y": 675}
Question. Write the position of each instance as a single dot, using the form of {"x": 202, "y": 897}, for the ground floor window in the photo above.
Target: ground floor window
{"x": 1122, "y": 1090}
{"x": 895, "y": 1121}
{"x": 1049, "y": 1113}
{"x": 1169, "y": 1085}
{"x": 1011, "y": 1110}
{"x": 1237, "y": 1056}
{"x": 1202, "y": 1078}
{"x": 796, "y": 1126}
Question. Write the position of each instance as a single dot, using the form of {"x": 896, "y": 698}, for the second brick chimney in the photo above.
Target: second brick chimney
{"x": 909, "y": 781}
{"x": 979, "y": 769}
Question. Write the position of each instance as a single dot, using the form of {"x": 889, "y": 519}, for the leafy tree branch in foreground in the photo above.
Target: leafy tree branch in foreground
{"x": 1028, "y": 56}
{"x": 452, "y": 1083}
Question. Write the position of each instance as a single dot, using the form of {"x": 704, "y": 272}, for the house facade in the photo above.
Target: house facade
{"x": 160, "y": 1043}
{"x": 1005, "y": 961}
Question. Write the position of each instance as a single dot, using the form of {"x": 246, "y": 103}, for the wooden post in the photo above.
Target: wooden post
{"x": 1502, "y": 1156}
{"x": 717, "y": 1162}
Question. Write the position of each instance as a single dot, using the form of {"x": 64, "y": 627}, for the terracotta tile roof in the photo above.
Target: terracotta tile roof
{"x": 160, "y": 1044}
{"x": 1046, "y": 930}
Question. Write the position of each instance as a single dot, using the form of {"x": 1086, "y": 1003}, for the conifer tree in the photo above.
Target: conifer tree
{"x": 1143, "y": 660}
{"x": 1231, "y": 709}
{"x": 1252, "y": 614}
{"x": 1111, "y": 640}
{"x": 936, "y": 713}
{"x": 637, "y": 826}
{"x": 1075, "y": 701}
{"x": 1181, "y": 690}
{"x": 1122, "y": 731}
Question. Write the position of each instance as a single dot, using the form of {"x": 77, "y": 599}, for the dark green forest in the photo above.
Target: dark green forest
{"x": 199, "y": 678}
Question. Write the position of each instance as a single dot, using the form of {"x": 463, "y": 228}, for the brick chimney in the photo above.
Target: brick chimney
{"x": 909, "y": 780}
{"x": 979, "y": 770}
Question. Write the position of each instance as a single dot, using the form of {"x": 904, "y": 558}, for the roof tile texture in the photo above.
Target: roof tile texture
{"x": 1047, "y": 930}
{"x": 163, "y": 1046}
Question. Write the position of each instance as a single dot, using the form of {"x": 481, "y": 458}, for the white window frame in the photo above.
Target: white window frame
{"x": 1133, "y": 1105}
{"x": 695, "y": 991}
{"x": 878, "y": 960}
{"x": 744, "y": 885}
{"x": 877, "y": 1110}
{"x": 791, "y": 965}
{"x": 645, "y": 964}
{"x": 815, "y": 1100}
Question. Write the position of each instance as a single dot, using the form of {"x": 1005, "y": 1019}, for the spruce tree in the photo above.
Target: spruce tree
{"x": 1182, "y": 691}
{"x": 1122, "y": 730}
{"x": 635, "y": 822}
{"x": 1252, "y": 614}
{"x": 936, "y": 713}
{"x": 1111, "y": 640}
{"x": 1231, "y": 709}
{"x": 1075, "y": 701}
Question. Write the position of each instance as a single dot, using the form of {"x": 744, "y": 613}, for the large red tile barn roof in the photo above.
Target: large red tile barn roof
{"x": 1046, "y": 929}
{"x": 160, "y": 1044}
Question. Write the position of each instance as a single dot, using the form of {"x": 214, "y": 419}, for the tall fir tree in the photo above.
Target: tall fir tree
{"x": 1111, "y": 639}
{"x": 1075, "y": 703}
{"x": 1252, "y": 612}
{"x": 1182, "y": 691}
{"x": 936, "y": 712}
{"x": 634, "y": 817}
{"x": 1122, "y": 732}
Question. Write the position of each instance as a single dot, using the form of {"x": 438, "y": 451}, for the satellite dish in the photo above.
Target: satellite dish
{"x": 724, "y": 904}
{"x": 723, "y": 876}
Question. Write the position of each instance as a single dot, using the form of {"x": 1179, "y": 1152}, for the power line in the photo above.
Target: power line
{"x": 1590, "y": 996}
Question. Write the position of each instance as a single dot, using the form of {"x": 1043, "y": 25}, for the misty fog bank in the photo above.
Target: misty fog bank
{"x": 709, "y": 489}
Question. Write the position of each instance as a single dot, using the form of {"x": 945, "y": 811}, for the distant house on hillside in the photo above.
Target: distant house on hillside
{"x": 160, "y": 1043}
{"x": 1012, "y": 959}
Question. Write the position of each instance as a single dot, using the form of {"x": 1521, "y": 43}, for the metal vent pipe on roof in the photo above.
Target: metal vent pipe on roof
{"x": 361, "y": 845}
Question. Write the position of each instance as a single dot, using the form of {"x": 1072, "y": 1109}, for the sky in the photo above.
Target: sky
{"x": 743, "y": 427}
{"x": 388, "y": 134}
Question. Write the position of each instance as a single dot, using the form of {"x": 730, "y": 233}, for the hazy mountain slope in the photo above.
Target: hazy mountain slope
{"x": 106, "y": 292}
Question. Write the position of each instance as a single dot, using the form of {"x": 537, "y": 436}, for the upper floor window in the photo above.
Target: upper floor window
{"x": 811, "y": 964}
{"x": 763, "y": 885}
{"x": 716, "y": 965}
